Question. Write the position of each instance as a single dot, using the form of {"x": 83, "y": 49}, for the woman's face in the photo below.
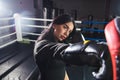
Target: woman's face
{"x": 61, "y": 32}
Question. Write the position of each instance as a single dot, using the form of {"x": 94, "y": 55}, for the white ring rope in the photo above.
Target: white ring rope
{"x": 37, "y": 19}
{"x": 40, "y": 19}
{"x": 8, "y": 26}
{"x": 78, "y": 29}
{"x": 35, "y": 26}
{"x": 78, "y": 22}
{"x": 7, "y": 35}
{"x": 8, "y": 43}
{"x": 10, "y": 18}
{"x": 31, "y": 33}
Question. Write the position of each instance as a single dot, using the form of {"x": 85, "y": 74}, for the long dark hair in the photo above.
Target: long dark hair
{"x": 61, "y": 19}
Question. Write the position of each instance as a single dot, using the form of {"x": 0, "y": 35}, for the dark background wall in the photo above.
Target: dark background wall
{"x": 115, "y": 8}
{"x": 83, "y": 7}
{"x": 98, "y": 8}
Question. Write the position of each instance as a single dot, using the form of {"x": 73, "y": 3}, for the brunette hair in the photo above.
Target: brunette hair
{"x": 61, "y": 19}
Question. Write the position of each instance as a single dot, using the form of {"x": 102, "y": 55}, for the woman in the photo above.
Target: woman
{"x": 52, "y": 50}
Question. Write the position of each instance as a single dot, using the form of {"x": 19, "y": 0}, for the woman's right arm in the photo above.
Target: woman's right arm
{"x": 77, "y": 54}
{"x": 82, "y": 53}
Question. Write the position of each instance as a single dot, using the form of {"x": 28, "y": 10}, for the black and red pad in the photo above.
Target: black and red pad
{"x": 112, "y": 34}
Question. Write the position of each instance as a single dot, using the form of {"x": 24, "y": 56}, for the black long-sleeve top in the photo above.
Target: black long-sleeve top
{"x": 48, "y": 58}
{"x": 51, "y": 57}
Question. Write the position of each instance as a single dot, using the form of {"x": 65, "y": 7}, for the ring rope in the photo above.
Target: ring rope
{"x": 8, "y": 43}
{"x": 35, "y": 26}
{"x": 8, "y": 26}
{"x": 7, "y": 35}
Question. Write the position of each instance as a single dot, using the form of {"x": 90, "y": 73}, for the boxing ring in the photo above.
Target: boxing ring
{"x": 6, "y": 27}
{"x": 16, "y": 59}
{"x": 19, "y": 35}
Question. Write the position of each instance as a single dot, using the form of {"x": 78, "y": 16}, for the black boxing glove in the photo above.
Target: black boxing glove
{"x": 83, "y": 53}
{"x": 99, "y": 74}
{"x": 88, "y": 53}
